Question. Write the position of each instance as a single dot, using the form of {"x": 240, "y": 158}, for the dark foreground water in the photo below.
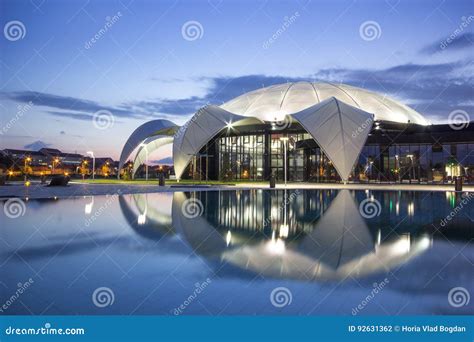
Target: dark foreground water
{"x": 303, "y": 252}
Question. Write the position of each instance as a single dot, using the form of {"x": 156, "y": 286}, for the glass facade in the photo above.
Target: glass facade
{"x": 415, "y": 163}
{"x": 241, "y": 157}
{"x": 257, "y": 156}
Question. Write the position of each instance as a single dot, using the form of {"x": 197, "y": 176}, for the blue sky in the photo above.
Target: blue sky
{"x": 143, "y": 68}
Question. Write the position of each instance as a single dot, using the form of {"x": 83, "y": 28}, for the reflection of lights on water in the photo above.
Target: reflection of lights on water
{"x": 379, "y": 237}
{"x": 276, "y": 246}
{"x": 284, "y": 230}
{"x": 425, "y": 242}
{"x": 403, "y": 245}
{"x": 397, "y": 208}
{"x": 142, "y": 218}
{"x": 411, "y": 209}
{"x": 88, "y": 206}
{"x": 228, "y": 238}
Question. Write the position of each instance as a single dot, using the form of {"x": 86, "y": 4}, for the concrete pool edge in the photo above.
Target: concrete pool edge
{"x": 36, "y": 191}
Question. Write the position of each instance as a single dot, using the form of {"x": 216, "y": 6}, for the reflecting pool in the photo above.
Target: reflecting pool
{"x": 281, "y": 252}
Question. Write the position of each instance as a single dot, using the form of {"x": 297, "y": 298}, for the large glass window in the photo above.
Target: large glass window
{"x": 241, "y": 157}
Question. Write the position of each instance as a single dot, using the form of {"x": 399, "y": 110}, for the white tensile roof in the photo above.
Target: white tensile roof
{"x": 143, "y": 132}
{"x": 340, "y": 131}
{"x": 339, "y": 118}
{"x": 274, "y": 102}
{"x": 148, "y": 146}
{"x": 202, "y": 127}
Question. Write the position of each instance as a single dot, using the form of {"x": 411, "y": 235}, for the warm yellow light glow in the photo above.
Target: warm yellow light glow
{"x": 27, "y": 183}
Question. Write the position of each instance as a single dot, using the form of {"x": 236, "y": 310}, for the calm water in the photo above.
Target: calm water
{"x": 240, "y": 252}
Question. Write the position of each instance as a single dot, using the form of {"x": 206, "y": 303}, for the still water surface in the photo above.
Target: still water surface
{"x": 304, "y": 252}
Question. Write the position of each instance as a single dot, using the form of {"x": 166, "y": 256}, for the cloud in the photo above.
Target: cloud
{"x": 459, "y": 42}
{"x": 432, "y": 89}
{"x": 70, "y": 107}
{"x": 36, "y": 145}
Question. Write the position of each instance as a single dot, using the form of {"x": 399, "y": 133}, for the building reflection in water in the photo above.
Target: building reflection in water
{"x": 310, "y": 234}
{"x": 148, "y": 214}
{"x": 298, "y": 234}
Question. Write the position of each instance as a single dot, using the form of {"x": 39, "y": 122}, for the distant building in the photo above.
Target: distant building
{"x": 53, "y": 161}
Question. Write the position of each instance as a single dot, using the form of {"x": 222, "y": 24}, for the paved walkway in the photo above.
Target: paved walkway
{"x": 37, "y": 190}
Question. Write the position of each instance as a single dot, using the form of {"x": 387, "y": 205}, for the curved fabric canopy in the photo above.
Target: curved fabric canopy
{"x": 202, "y": 127}
{"x": 340, "y": 131}
{"x": 148, "y": 129}
{"x": 274, "y": 102}
{"x": 148, "y": 146}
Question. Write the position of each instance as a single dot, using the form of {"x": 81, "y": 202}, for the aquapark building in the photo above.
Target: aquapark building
{"x": 323, "y": 132}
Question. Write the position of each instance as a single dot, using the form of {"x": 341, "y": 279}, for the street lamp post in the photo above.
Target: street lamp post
{"x": 27, "y": 160}
{"x": 93, "y": 163}
{"x": 146, "y": 160}
{"x": 55, "y": 161}
{"x": 284, "y": 140}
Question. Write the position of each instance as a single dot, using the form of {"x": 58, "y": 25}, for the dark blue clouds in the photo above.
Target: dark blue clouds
{"x": 66, "y": 106}
{"x": 432, "y": 89}
{"x": 456, "y": 42}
